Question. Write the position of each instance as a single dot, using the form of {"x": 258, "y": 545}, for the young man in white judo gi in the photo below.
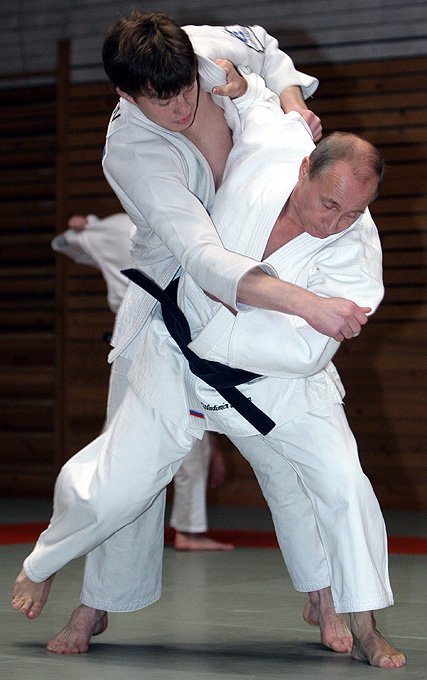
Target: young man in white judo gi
{"x": 317, "y": 228}
{"x": 255, "y": 50}
{"x": 183, "y": 168}
{"x": 105, "y": 244}
{"x": 153, "y": 170}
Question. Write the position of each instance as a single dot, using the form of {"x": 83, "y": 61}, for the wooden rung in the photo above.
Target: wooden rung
{"x": 382, "y": 67}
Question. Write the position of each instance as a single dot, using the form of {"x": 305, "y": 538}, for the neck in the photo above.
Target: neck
{"x": 288, "y": 218}
{"x": 197, "y": 126}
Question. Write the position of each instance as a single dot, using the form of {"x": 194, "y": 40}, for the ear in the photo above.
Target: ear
{"x": 304, "y": 168}
{"x": 125, "y": 95}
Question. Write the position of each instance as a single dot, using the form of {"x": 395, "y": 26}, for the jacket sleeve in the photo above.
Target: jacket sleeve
{"x": 177, "y": 218}
{"x": 268, "y": 343}
{"x": 286, "y": 346}
{"x": 253, "y": 50}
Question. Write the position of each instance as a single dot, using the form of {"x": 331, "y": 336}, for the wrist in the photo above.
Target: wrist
{"x": 291, "y": 99}
{"x": 299, "y": 302}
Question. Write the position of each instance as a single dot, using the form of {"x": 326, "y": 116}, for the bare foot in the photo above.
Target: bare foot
{"x": 29, "y": 597}
{"x": 319, "y": 611}
{"x": 369, "y": 645}
{"x": 187, "y": 541}
{"x": 75, "y": 637}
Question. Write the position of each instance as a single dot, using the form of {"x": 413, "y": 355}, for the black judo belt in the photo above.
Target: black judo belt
{"x": 223, "y": 378}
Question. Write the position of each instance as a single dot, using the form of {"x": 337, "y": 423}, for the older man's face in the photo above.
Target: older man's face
{"x": 332, "y": 201}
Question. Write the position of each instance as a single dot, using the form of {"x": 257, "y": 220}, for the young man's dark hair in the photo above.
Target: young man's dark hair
{"x": 148, "y": 54}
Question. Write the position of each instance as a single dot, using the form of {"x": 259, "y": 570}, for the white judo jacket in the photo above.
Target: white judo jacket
{"x": 165, "y": 184}
{"x": 261, "y": 172}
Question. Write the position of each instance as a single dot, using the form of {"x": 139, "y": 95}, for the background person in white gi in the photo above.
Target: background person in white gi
{"x": 105, "y": 244}
{"x": 156, "y": 159}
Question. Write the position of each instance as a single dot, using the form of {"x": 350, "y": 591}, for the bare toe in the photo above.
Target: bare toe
{"x": 29, "y": 597}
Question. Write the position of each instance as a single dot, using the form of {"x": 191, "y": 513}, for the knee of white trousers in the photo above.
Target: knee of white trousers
{"x": 95, "y": 502}
{"x": 136, "y": 498}
{"x": 341, "y": 485}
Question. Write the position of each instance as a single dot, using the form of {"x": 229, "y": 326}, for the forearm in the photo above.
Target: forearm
{"x": 258, "y": 289}
{"x": 336, "y": 317}
{"x": 291, "y": 99}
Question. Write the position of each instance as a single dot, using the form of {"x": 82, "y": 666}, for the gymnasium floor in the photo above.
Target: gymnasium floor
{"x": 222, "y": 616}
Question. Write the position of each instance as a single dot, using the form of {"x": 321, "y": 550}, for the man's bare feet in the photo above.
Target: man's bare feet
{"x": 29, "y": 597}
{"x": 369, "y": 645}
{"x": 75, "y": 637}
{"x": 319, "y": 611}
{"x": 188, "y": 541}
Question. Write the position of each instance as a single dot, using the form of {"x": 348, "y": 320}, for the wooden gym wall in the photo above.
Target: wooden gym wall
{"x": 27, "y": 284}
{"x": 54, "y": 314}
{"x": 385, "y": 369}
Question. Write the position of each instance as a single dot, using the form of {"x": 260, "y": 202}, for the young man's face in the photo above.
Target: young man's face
{"x": 330, "y": 202}
{"x": 175, "y": 114}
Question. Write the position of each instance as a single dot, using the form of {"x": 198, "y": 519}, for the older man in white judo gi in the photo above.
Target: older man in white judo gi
{"x": 337, "y": 251}
{"x": 327, "y": 242}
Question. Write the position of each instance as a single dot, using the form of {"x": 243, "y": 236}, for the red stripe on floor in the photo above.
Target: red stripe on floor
{"x": 11, "y": 534}
{"x": 407, "y": 545}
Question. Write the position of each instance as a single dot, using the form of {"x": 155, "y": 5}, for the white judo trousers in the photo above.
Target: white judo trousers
{"x": 112, "y": 481}
{"x": 105, "y": 244}
{"x": 340, "y": 504}
{"x": 189, "y": 513}
{"x": 105, "y": 487}
{"x": 144, "y": 536}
